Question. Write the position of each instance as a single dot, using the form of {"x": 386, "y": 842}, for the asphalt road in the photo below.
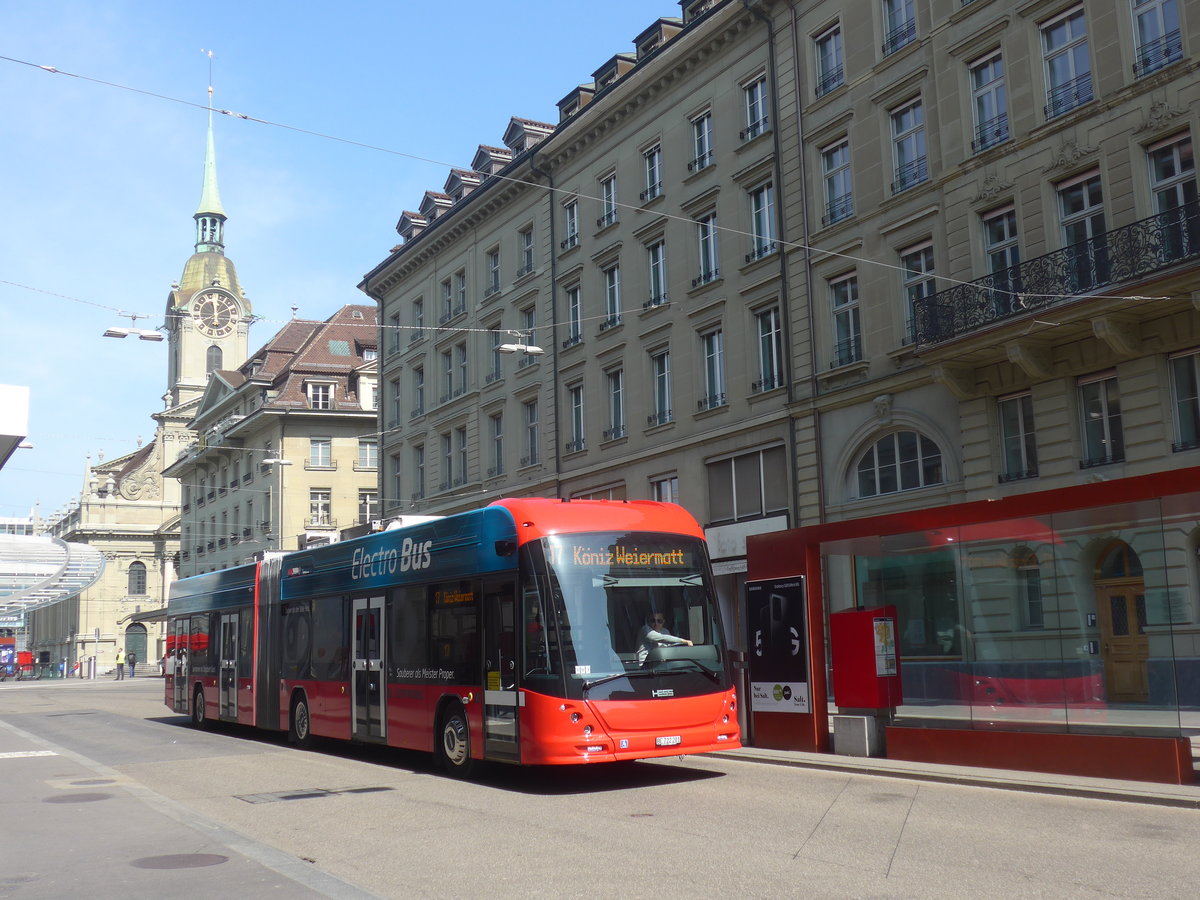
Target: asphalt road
{"x": 106, "y": 793}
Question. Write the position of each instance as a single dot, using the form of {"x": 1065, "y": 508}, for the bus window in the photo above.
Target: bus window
{"x": 408, "y": 648}
{"x": 455, "y": 631}
{"x": 331, "y": 643}
{"x": 200, "y": 663}
{"x": 297, "y": 640}
{"x": 245, "y": 644}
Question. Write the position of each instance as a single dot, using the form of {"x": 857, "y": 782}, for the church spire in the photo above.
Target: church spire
{"x": 210, "y": 216}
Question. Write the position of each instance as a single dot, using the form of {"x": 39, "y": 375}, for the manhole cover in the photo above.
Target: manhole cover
{"x": 179, "y": 861}
{"x": 77, "y": 798}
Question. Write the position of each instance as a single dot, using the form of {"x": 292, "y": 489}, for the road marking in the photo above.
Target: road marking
{"x": 21, "y": 754}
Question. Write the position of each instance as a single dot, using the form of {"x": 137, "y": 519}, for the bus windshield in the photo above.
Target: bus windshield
{"x": 632, "y": 604}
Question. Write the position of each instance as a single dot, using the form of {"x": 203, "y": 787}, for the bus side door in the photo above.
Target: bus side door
{"x": 180, "y": 676}
{"x": 501, "y": 697}
{"x": 370, "y": 715}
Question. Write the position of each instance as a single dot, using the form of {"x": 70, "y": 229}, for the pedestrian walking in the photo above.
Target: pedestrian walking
{"x": 120, "y": 663}
{"x": 131, "y": 660}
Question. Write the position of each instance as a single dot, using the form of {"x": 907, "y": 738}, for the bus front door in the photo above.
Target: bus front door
{"x": 179, "y": 665}
{"x": 227, "y": 676}
{"x": 501, "y": 699}
{"x": 370, "y": 715}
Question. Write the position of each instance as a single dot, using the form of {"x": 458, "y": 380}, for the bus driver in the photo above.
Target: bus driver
{"x": 655, "y": 634}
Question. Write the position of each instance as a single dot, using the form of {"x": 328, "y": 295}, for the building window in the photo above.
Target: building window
{"x": 830, "y": 68}
{"x": 710, "y": 263}
{"x": 712, "y": 345}
{"x": 616, "y": 405}
{"x": 496, "y": 435}
{"x": 612, "y": 298}
{"x": 988, "y": 102}
{"x": 748, "y": 486}
{"x": 839, "y": 192}
{"x": 394, "y": 333}
{"x": 447, "y": 375}
{"x": 460, "y": 359}
{"x": 702, "y": 145}
{"x": 574, "y": 317}
{"x": 460, "y": 292}
{"x": 608, "y": 201}
{"x": 902, "y": 461}
{"x": 657, "y": 259}
{"x": 1068, "y": 69}
{"x": 525, "y": 251}
{"x": 212, "y": 359}
{"x": 919, "y": 284}
{"x": 660, "y": 387}
{"x": 418, "y": 471}
{"x": 447, "y": 301}
{"x": 1029, "y": 589}
{"x": 762, "y": 222}
{"x": 460, "y": 451}
{"x": 320, "y": 453}
{"x": 1185, "y": 390}
{"x": 137, "y": 579}
{"x": 368, "y": 453}
{"x": 1100, "y": 412}
{"x": 447, "y": 461}
{"x": 1018, "y": 440}
{"x": 899, "y": 24}
{"x": 320, "y": 396}
{"x": 770, "y": 350}
{"x": 1156, "y": 27}
{"x": 908, "y": 146}
{"x": 418, "y": 318}
{"x": 757, "y": 120}
{"x": 318, "y": 507}
{"x": 665, "y": 489}
{"x": 653, "y": 168}
{"x": 1173, "y": 186}
{"x": 496, "y": 369}
{"x": 1081, "y": 211}
{"x": 847, "y": 328}
{"x": 368, "y": 507}
{"x": 418, "y": 390}
{"x": 578, "y": 440}
{"x": 530, "y": 412}
{"x": 571, "y": 225}
{"x": 493, "y": 272}
{"x": 1000, "y": 245}
{"x": 394, "y": 402}
{"x": 397, "y": 469}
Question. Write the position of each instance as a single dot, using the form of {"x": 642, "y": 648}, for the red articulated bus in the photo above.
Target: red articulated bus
{"x": 530, "y": 631}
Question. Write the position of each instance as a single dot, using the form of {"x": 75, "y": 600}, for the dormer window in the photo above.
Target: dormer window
{"x": 320, "y": 395}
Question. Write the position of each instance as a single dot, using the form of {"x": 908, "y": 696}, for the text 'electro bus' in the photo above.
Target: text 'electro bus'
{"x": 530, "y": 631}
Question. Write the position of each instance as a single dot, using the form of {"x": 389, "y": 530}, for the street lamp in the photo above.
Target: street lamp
{"x": 142, "y": 334}
{"x": 279, "y": 463}
{"x": 522, "y": 345}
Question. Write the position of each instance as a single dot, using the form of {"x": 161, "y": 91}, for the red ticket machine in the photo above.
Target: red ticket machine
{"x": 866, "y": 659}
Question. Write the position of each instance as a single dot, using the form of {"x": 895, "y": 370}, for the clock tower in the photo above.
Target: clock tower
{"x": 208, "y": 316}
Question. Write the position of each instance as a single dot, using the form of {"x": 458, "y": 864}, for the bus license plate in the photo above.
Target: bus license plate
{"x": 668, "y": 741}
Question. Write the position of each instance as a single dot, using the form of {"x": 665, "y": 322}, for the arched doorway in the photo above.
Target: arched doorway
{"x": 135, "y": 642}
{"x": 1121, "y": 617}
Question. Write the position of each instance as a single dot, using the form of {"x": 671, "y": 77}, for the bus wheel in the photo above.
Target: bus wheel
{"x": 455, "y": 746}
{"x": 300, "y": 732}
{"x": 199, "y": 719}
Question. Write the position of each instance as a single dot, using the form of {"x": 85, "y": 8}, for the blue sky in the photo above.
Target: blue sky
{"x": 99, "y": 183}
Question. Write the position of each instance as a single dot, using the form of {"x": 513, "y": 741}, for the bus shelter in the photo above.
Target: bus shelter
{"x": 1051, "y": 631}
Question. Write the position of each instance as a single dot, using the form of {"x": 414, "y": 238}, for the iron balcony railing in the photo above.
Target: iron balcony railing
{"x": 990, "y": 133}
{"x": 1153, "y": 55}
{"x": 830, "y": 80}
{"x": 900, "y": 36}
{"x": 1069, "y": 95}
{"x": 1124, "y": 254}
{"x": 911, "y": 173}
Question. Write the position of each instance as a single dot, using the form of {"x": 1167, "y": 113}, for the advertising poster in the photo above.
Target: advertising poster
{"x": 778, "y": 652}
{"x": 885, "y": 646}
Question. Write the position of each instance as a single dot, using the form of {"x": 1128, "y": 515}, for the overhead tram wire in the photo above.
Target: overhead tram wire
{"x": 54, "y": 70}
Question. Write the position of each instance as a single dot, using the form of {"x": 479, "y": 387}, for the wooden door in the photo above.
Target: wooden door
{"x": 1121, "y": 615}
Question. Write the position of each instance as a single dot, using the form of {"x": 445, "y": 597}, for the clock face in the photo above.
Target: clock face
{"x": 215, "y": 314}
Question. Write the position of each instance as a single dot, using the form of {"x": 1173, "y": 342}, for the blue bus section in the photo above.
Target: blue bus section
{"x": 226, "y": 589}
{"x": 473, "y": 543}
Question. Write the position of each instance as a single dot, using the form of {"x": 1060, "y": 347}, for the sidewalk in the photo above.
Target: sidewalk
{"x": 1184, "y": 795}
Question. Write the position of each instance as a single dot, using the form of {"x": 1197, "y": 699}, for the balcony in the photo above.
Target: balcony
{"x": 838, "y": 208}
{"x": 662, "y": 417}
{"x": 910, "y": 174}
{"x": 900, "y": 36}
{"x": 702, "y": 161}
{"x": 1153, "y": 55}
{"x": 762, "y": 126}
{"x": 572, "y": 339}
{"x": 991, "y": 133}
{"x": 830, "y": 80}
{"x": 846, "y": 352}
{"x": 761, "y": 248}
{"x": 712, "y": 401}
{"x": 1122, "y": 255}
{"x": 1069, "y": 95}
{"x": 650, "y": 193}
{"x": 609, "y": 218}
{"x": 706, "y": 277}
{"x": 656, "y": 301}
{"x": 571, "y": 240}
{"x": 610, "y": 322}
{"x": 614, "y": 433}
{"x": 576, "y": 446}
{"x": 322, "y": 520}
